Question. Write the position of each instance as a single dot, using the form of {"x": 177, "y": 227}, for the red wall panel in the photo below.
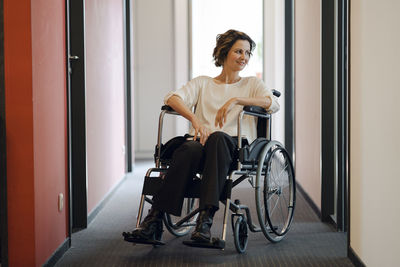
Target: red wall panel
{"x": 34, "y": 52}
{"x": 49, "y": 124}
{"x": 35, "y": 82}
{"x": 19, "y": 127}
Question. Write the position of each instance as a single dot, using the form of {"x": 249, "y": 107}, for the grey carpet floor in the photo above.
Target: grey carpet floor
{"x": 309, "y": 242}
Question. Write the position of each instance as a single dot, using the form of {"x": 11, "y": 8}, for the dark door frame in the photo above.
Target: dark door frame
{"x": 3, "y": 153}
{"x": 343, "y": 114}
{"x": 328, "y": 109}
{"x": 128, "y": 84}
{"x": 334, "y": 154}
{"x": 289, "y": 79}
{"x": 76, "y": 113}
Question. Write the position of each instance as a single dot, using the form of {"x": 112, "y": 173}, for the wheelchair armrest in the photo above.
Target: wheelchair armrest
{"x": 259, "y": 111}
{"x": 169, "y": 109}
{"x": 276, "y": 93}
{"x": 255, "y": 111}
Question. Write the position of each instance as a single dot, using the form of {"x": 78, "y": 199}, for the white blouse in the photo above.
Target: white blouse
{"x": 207, "y": 97}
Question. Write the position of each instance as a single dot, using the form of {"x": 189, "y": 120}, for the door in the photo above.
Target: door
{"x": 76, "y": 114}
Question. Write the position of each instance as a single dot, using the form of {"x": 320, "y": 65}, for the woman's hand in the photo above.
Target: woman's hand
{"x": 220, "y": 119}
{"x": 179, "y": 106}
{"x": 200, "y": 131}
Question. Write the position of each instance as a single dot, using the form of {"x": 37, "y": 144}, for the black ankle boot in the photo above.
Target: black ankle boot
{"x": 202, "y": 231}
{"x": 151, "y": 227}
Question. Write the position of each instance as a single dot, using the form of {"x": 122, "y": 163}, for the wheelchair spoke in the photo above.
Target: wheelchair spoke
{"x": 280, "y": 174}
{"x": 282, "y": 214}
{"x": 280, "y": 211}
{"x": 276, "y": 203}
{"x": 285, "y": 200}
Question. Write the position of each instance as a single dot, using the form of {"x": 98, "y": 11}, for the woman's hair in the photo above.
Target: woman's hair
{"x": 224, "y": 43}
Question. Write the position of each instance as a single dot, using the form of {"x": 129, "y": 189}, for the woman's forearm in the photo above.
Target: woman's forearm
{"x": 179, "y": 106}
{"x": 264, "y": 102}
{"x": 199, "y": 130}
{"x": 220, "y": 118}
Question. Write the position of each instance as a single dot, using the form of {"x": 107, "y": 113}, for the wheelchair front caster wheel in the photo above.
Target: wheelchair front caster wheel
{"x": 240, "y": 234}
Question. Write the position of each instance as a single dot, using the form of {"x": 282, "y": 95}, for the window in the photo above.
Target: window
{"x": 212, "y": 17}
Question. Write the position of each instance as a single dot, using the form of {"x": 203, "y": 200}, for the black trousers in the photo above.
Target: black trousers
{"x": 213, "y": 160}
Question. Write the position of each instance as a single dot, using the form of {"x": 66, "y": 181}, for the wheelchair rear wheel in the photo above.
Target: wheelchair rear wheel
{"x": 170, "y": 221}
{"x": 275, "y": 191}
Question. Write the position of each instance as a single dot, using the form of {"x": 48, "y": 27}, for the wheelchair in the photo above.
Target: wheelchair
{"x": 267, "y": 166}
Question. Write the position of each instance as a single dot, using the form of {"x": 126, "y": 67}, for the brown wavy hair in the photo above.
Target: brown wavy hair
{"x": 225, "y": 41}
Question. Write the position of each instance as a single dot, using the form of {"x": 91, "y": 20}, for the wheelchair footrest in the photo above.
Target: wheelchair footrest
{"x": 139, "y": 240}
{"x": 214, "y": 243}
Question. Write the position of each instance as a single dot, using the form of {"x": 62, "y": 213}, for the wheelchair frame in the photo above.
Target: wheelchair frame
{"x": 245, "y": 170}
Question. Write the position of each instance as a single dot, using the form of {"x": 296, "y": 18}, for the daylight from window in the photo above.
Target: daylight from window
{"x": 212, "y": 17}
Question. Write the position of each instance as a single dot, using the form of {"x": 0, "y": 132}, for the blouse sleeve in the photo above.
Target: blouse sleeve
{"x": 189, "y": 93}
{"x": 261, "y": 90}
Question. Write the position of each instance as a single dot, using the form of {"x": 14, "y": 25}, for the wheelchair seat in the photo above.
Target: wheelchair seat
{"x": 246, "y": 155}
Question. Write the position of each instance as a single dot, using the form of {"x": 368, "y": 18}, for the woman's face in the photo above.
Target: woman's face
{"x": 238, "y": 56}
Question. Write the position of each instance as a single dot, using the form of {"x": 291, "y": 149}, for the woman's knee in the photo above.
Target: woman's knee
{"x": 217, "y": 137}
{"x": 221, "y": 142}
{"x": 190, "y": 149}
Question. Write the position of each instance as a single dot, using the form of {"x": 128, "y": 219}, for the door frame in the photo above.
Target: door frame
{"x": 289, "y": 80}
{"x": 128, "y": 84}
{"x": 335, "y": 117}
{"x": 343, "y": 114}
{"x": 76, "y": 114}
{"x": 327, "y": 110}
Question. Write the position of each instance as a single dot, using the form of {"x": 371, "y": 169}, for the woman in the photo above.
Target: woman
{"x": 211, "y": 151}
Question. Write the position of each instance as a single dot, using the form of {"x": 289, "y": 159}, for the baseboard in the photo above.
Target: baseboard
{"x": 104, "y": 201}
{"x": 308, "y": 199}
{"x": 57, "y": 255}
{"x": 354, "y": 258}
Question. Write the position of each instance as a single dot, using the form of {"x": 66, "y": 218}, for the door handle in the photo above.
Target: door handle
{"x": 69, "y": 62}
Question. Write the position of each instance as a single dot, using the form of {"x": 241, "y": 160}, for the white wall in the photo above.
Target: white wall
{"x": 154, "y": 69}
{"x": 274, "y": 59}
{"x": 308, "y": 96}
{"x": 105, "y": 99}
{"x": 161, "y": 49}
{"x": 375, "y": 131}
{"x": 181, "y": 25}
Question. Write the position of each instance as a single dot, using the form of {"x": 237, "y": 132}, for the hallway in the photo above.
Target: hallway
{"x": 309, "y": 242}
